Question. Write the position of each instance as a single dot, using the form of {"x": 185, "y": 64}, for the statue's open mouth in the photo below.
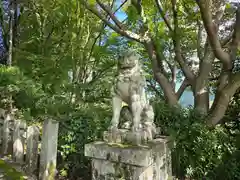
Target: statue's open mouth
{"x": 127, "y": 66}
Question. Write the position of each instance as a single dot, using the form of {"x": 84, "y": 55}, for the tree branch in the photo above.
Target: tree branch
{"x": 199, "y": 38}
{"x": 100, "y": 74}
{"x": 138, "y": 5}
{"x": 206, "y": 62}
{"x": 211, "y": 29}
{"x": 121, "y": 6}
{"x": 222, "y": 99}
{"x": 153, "y": 87}
{"x": 226, "y": 73}
{"x": 163, "y": 15}
{"x": 101, "y": 31}
{"x": 182, "y": 88}
{"x": 166, "y": 86}
{"x": 148, "y": 42}
{"x": 226, "y": 40}
{"x": 125, "y": 33}
{"x": 173, "y": 73}
{"x": 111, "y": 14}
{"x": 177, "y": 47}
{"x": 160, "y": 63}
{"x": 236, "y": 36}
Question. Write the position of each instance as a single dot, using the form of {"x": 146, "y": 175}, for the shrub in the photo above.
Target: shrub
{"x": 198, "y": 152}
{"x": 84, "y": 126}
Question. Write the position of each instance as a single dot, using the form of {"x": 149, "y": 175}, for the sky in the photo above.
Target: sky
{"x": 120, "y": 14}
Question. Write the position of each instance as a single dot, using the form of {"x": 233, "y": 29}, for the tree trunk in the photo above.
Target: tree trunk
{"x": 15, "y": 23}
{"x": 169, "y": 92}
{"x": 201, "y": 99}
{"x": 222, "y": 100}
{"x": 11, "y": 19}
{"x": 219, "y": 110}
{"x": 201, "y": 89}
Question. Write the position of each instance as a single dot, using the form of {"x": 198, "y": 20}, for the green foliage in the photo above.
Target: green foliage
{"x": 24, "y": 91}
{"x": 59, "y": 38}
{"x": 198, "y": 151}
{"x": 84, "y": 126}
{"x": 9, "y": 172}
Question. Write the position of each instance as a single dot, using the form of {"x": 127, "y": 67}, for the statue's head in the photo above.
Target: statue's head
{"x": 128, "y": 60}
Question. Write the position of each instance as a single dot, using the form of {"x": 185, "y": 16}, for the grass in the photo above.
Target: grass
{"x": 9, "y": 172}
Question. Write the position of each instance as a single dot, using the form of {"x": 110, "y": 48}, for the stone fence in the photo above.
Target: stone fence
{"x": 22, "y": 143}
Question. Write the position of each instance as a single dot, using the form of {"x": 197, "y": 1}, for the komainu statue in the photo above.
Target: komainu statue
{"x": 129, "y": 87}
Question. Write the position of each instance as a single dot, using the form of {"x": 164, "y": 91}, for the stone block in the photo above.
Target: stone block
{"x": 125, "y": 136}
{"x": 6, "y": 139}
{"x": 115, "y": 136}
{"x": 32, "y": 148}
{"x": 138, "y": 156}
{"x": 48, "y": 155}
{"x": 107, "y": 170}
{"x": 112, "y": 161}
{"x": 18, "y": 141}
{"x": 134, "y": 138}
{"x": 2, "y": 118}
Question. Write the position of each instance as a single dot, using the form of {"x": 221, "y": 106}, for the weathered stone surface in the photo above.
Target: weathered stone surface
{"x": 139, "y": 156}
{"x": 117, "y": 161}
{"x": 125, "y": 136}
{"x": 115, "y": 136}
{"x": 32, "y": 148}
{"x": 6, "y": 135}
{"x": 106, "y": 170}
{"x": 134, "y": 138}
{"x": 48, "y": 155}
{"x": 129, "y": 87}
{"x": 162, "y": 158}
{"x": 18, "y": 140}
{"x": 2, "y": 118}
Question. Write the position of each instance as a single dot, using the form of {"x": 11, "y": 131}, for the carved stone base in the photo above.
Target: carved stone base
{"x": 124, "y": 136}
{"x": 118, "y": 161}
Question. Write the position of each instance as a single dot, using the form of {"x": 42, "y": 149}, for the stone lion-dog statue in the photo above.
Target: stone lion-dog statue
{"x": 129, "y": 87}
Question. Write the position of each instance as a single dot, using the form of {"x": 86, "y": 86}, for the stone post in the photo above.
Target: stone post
{"x": 18, "y": 141}
{"x": 48, "y": 156}
{"x": 114, "y": 161}
{"x": 6, "y": 135}
{"x": 32, "y": 148}
{"x": 1, "y": 131}
{"x": 2, "y": 118}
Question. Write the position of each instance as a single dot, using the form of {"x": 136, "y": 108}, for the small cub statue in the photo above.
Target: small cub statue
{"x": 129, "y": 87}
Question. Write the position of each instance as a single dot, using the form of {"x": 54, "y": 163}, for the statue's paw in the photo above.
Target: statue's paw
{"x": 146, "y": 136}
{"x": 112, "y": 128}
{"x": 135, "y": 128}
{"x": 154, "y": 130}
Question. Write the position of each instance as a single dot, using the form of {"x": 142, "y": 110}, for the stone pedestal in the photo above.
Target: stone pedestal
{"x": 113, "y": 161}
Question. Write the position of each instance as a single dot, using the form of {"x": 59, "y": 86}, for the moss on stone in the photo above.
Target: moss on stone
{"x": 126, "y": 145}
{"x": 51, "y": 170}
